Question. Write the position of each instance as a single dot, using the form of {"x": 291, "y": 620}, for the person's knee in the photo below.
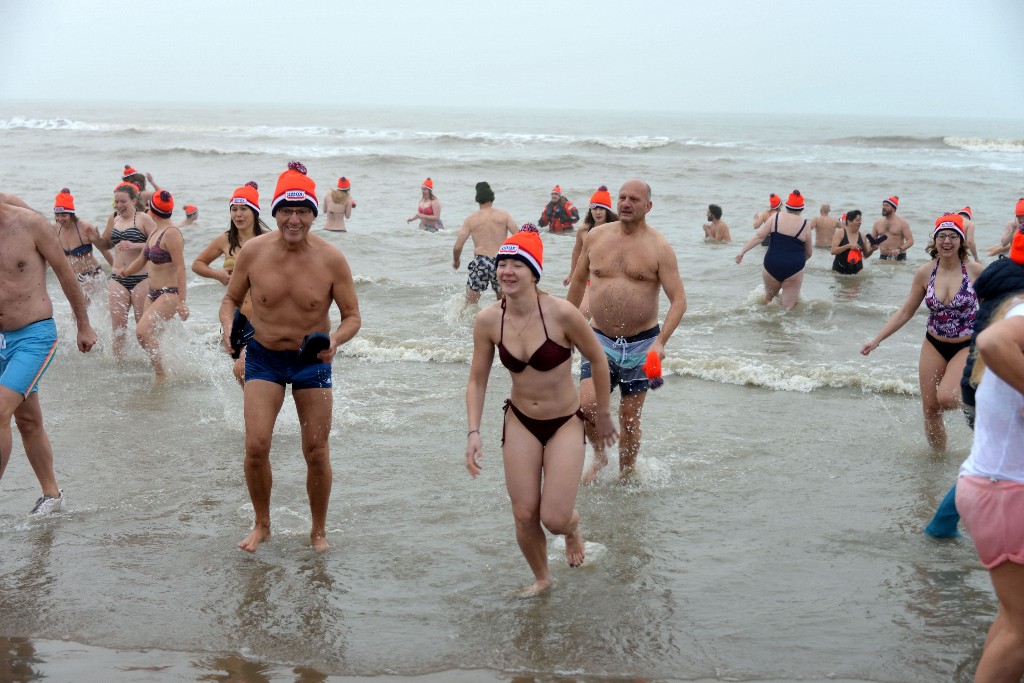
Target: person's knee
{"x": 29, "y": 423}
{"x": 317, "y": 455}
{"x": 257, "y": 448}
{"x": 525, "y": 515}
{"x": 556, "y": 523}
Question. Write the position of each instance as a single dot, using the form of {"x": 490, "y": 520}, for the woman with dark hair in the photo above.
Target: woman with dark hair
{"x": 849, "y": 247}
{"x": 946, "y": 285}
{"x": 126, "y": 233}
{"x": 165, "y": 255}
{"x": 76, "y": 239}
{"x": 542, "y": 436}
{"x": 599, "y": 213}
{"x": 428, "y": 212}
{"x": 245, "y": 224}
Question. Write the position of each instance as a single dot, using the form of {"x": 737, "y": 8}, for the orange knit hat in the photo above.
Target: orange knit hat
{"x": 247, "y": 195}
{"x": 892, "y": 201}
{"x": 128, "y": 172}
{"x": 795, "y": 202}
{"x": 161, "y": 204}
{"x": 774, "y": 201}
{"x": 295, "y": 189}
{"x": 525, "y": 246}
{"x": 64, "y": 202}
{"x": 949, "y": 221}
{"x": 344, "y": 184}
{"x": 130, "y": 188}
{"x": 428, "y": 184}
{"x": 557, "y": 189}
{"x": 601, "y": 199}
{"x": 191, "y": 210}
{"x": 966, "y": 211}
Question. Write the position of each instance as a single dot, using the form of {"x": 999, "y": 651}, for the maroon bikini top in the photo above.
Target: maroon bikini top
{"x": 548, "y": 356}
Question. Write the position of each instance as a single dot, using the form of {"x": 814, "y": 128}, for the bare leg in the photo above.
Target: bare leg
{"x": 119, "y": 300}
{"x": 314, "y": 407}
{"x": 563, "y": 465}
{"x": 523, "y": 457}
{"x": 931, "y": 368}
{"x": 10, "y": 400}
{"x": 771, "y": 286}
{"x": 29, "y": 418}
{"x": 140, "y": 295}
{"x": 791, "y": 290}
{"x": 630, "y": 409}
{"x": 588, "y": 400}
{"x": 151, "y": 325}
{"x": 472, "y": 297}
{"x": 1003, "y": 657}
{"x": 262, "y": 403}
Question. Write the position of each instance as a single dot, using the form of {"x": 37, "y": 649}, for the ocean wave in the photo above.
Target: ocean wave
{"x": 985, "y": 144}
{"x": 56, "y": 124}
{"x": 789, "y": 376}
{"x": 409, "y": 350}
{"x": 891, "y": 141}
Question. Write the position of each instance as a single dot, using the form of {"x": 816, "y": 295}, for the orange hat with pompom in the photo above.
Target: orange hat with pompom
{"x": 64, "y": 202}
{"x": 295, "y": 189}
{"x": 428, "y": 184}
{"x": 774, "y": 201}
{"x": 795, "y": 201}
{"x": 525, "y": 246}
{"x": 344, "y": 184}
{"x": 128, "y": 172}
{"x": 601, "y": 199}
{"x": 949, "y": 221}
{"x": 161, "y": 204}
{"x": 247, "y": 195}
{"x": 892, "y": 201}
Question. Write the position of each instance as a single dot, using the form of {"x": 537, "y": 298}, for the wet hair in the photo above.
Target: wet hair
{"x": 258, "y": 228}
{"x": 853, "y": 215}
{"x": 999, "y": 314}
{"x": 610, "y": 217}
{"x": 342, "y": 197}
{"x": 716, "y": 211}
{"x": 961, "y": 252}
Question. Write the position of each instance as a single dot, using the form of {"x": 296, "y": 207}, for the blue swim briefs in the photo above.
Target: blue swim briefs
{"x": 283, "y": 367}
{"x": 626, "y": 357}
{"x": 25, "y": 354}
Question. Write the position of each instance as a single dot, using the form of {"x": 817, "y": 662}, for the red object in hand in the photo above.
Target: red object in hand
{"x": 652, "y": 368}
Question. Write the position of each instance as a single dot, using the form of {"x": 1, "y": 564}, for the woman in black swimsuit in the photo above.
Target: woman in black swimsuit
{"x": 542, "y": 436}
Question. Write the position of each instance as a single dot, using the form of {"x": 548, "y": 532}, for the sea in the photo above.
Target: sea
{"x": 774, "y": 529}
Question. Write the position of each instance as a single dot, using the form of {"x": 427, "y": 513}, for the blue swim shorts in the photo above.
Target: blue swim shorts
{"x": 25, "y": 354}
{"x": 626, "y": 358}
{"x": 283, "y": 367}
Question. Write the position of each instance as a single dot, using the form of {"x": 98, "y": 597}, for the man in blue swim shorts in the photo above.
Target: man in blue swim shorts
{"x": 28, "y": 337}
{"x": 628, "y": 263}
{"x": 298, "y": 276}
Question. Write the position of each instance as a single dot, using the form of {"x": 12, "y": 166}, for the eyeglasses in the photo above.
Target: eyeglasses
{"x": 947, "y": 237}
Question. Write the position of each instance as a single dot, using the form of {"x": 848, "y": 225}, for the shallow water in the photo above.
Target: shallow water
{"x": 774, "y": 531}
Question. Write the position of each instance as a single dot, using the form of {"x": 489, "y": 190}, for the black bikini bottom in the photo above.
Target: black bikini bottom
{"x": 542, "y": 430}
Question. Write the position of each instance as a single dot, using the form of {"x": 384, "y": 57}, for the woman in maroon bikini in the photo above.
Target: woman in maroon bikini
{"x": 542, "y": 436}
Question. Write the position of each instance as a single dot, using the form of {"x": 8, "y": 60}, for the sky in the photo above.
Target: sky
{"x": 891, "y": 57}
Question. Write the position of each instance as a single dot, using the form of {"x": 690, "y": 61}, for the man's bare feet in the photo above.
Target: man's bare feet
{"x": 319, "y": 541}
{"x": 251, "y": 542}
{"x": 575, "y": 551}
{"x": 590, "y": 474}
{"x": 532, "y": 591}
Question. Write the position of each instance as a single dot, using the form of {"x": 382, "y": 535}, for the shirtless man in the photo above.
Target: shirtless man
{"x": 824, "y": 227}
{"x": 294, "y": 277}
{"x": 1012, "y": 226}
{"x": 488, "y": 227}
{"x": 28, "y": 336}
{"x": 715, "y": 229}
{"x": 627, "y": 262}
{"x": 896, "y": 231}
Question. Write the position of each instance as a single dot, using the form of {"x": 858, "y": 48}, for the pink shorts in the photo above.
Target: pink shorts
{"x": 993, "y": 512}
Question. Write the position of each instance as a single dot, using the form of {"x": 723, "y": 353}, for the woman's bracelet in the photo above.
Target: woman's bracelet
{"x": 472, "y": 431}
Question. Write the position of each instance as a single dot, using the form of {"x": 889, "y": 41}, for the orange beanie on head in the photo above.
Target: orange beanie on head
{"x": 64, "y": 202}
{"x": 525, "y": 246}
{"x": 295, "y": 189}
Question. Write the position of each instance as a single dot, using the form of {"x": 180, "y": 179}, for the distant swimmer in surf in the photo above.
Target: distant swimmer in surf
{"x": 824, "y": 227}
{"x": 487, "y": 227}
{"x": 716, "y": 230}
{"x": 774, "y": 206}
{"x": 788, "y": 251}
{"x": 891, "y": 233}
{"x": 338, "y": 205}
{"x": 428, "y": 212}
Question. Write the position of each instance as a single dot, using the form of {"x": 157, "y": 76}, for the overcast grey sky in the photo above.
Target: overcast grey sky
{"x": 892, "y": 57}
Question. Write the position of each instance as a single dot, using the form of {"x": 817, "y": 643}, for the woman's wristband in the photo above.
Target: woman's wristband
{"x": 472, "y": 431}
